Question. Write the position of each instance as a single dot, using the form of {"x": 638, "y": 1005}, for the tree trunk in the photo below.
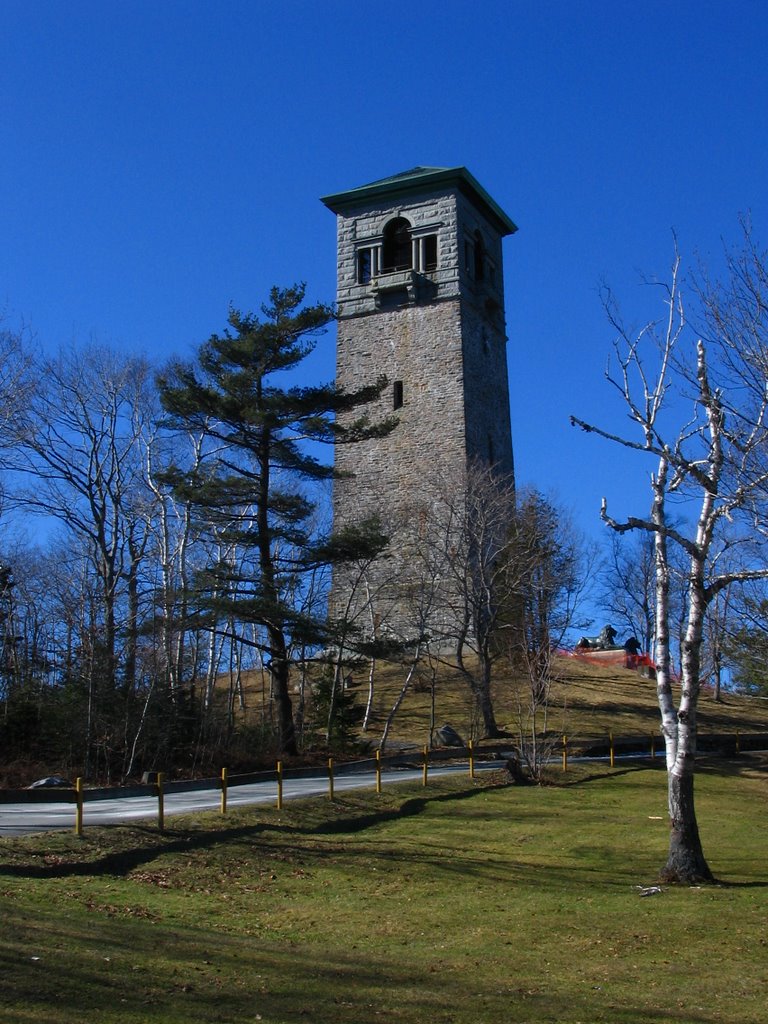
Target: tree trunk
{"x": 336, "y": 683}
{"x": 484, "y": 708}
{"x": 369, "y": 699}
{"x": 279, "y": 665}
{"x": 372, "y": 665}
{"x": 686, "y": 863}
{"x": 483, "y": 699}
{"x": 480, "y": 687}
{"x": 132, "y": 625}
{"x": 400, "y": 698}
{"x": 717, "y": 674}
{"x": 280, "y": 670}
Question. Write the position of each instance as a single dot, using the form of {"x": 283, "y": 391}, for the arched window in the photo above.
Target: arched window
{"x": 397, "y": 250}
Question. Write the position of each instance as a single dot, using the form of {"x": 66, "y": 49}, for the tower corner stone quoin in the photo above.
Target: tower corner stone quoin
{"x": 420, "y": 299}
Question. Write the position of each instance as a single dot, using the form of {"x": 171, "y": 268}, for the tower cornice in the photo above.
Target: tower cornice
{"x": 419, "y": 180}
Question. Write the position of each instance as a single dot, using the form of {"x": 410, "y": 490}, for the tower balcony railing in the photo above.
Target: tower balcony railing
{"x": 415, "y": 285}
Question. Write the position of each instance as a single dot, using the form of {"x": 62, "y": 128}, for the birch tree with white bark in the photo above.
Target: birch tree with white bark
{"x": 697, "y": 401}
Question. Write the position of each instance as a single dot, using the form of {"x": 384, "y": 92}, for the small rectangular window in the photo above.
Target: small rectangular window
{"x": 397, "y": 395}
{"x": 430, "y": 252}
{"x": 364, "y": 266}
{"x": 469, "y": 258}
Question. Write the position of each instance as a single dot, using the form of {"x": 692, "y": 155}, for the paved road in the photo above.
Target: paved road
{"x": 23, "y": 818}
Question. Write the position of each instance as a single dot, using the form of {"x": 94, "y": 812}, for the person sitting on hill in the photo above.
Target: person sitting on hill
{"x": 632, "y": 649}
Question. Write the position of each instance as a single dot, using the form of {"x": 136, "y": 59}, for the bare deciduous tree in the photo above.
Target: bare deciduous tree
{"x": 76, "y": 446}
{"x": 626, "y": 578}
{"x": 714, "y": 463}
{"x": 548, "y": 574}
{"x": 467, "y": 529}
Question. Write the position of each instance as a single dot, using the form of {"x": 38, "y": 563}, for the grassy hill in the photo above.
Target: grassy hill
{"x": 588, "y": 700}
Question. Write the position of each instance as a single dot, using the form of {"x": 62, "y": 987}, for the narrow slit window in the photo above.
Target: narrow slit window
{"x": 397, "y": 395}
{"x": 479, "y": 257}
{"x": 364, "y": 266}
{"x": 430, "y": 253}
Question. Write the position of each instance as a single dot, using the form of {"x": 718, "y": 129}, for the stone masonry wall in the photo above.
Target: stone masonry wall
{"x": 486, "y": 394}
{"x": 421, "y": 346}
{"x": 448, "y": 350}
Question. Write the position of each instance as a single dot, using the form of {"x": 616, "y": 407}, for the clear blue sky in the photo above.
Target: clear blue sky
{"x": 162, "y": 159}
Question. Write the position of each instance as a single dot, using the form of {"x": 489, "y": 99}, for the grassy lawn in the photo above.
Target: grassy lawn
{"x": 469, "y": 903}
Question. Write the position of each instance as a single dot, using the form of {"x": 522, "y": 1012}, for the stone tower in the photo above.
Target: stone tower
{"x": 421, "y": 301}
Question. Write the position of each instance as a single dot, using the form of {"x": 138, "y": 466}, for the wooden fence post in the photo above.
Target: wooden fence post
{"x": 610, "y": 742}
{"x": 78, "y": 806}
{"x": 565, "y": 753}
{"x": 426, "y": 766}
{"x": 330, "y": 778}
{"x": 471, "y": 759}
{"x": 378, "y": 771}
{"x": 160, "y": 803}
{"x": 279, "y": 785}
{"x": 224, "y": 774}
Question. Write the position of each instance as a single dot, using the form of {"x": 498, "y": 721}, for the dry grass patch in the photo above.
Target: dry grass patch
{"x": 588, "y": 702}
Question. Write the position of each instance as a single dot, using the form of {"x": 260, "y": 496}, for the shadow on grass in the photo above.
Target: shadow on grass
{"x": 122, "y": 970}
{"x": 614, "y": 710}
{"x": 613, "y": 773}
{"x": 299, "y": 984}
{"x": 273, "y": 843}
{"x": 274, "y": 840}
{"x": 122, "y": 862}
{"x": 734, "y": 765}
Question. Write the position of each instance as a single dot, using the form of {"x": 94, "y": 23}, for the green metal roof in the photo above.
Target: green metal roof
{"x": 421, "y": 179}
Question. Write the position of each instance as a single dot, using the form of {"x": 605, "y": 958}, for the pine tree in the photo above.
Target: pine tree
{"x": 254, "y": 485}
